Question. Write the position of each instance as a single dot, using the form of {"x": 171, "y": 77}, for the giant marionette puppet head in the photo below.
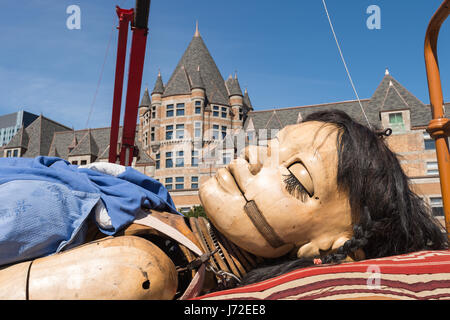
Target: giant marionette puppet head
{"x": 327, "y": 187}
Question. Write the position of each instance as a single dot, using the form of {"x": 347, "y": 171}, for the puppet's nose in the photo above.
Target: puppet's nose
{"x": 255, "y": 156}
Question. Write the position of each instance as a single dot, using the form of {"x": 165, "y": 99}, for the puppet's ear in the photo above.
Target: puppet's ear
{"x": 322, "y": 245}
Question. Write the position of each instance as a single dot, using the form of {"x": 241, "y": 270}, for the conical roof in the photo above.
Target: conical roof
{"x": 178, "y": 83}
{"x": 159, "y": 86}
{"x": 247, "y": 102}
{"x": 197, "y": 54}
{"x": 234, "y": 89}
{"x": 145, "y": 101}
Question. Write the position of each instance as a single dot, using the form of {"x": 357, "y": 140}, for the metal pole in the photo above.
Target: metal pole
{"x": 137, "y": 57}
{"x": 439, "y": 127}
{"x": 125, "y": 17}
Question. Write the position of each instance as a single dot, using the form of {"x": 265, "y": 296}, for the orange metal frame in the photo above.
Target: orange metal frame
{"x": 439, "y": 126}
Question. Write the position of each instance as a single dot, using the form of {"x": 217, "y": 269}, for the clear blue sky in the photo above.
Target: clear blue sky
{"x": 283, "y": 51}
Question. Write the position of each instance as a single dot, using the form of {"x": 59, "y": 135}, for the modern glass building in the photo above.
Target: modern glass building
{"x": 11, "y": 123}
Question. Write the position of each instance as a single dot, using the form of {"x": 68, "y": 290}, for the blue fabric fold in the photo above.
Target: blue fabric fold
{"x": 45, "y": 203}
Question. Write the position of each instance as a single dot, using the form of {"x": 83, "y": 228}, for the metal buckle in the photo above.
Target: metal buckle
{"x": 224, "y": 277}
{"x": 194, "y": 264}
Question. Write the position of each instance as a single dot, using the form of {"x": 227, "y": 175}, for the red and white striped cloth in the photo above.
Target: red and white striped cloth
{"x": 418, "y": 275}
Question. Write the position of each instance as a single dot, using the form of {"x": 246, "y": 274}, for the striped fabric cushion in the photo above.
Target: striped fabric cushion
{"x": 419, "y": 275}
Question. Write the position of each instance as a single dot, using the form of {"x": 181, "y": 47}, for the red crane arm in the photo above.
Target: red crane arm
{"x": 139, "y": 26}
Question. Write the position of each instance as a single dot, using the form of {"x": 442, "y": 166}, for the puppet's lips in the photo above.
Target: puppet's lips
{"x": 227, "y": 181}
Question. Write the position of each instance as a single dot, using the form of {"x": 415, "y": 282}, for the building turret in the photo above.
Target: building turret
{"x": 247, "y": 105}
{"x": 236, "y": 100}
{"x": 144, "y": 112}
{"x": 145, "y": 101}
{"x": 198, "y": 93}
{"x": 158, "y": 90}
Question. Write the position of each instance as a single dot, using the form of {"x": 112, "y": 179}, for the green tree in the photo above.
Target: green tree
{"x": 196, "y": 211}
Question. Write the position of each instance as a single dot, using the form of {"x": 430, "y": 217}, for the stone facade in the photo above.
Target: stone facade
{"x": 181, "y": 122}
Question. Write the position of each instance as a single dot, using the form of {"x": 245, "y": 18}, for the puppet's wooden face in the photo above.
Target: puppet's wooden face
{"x": 293, "y": 182}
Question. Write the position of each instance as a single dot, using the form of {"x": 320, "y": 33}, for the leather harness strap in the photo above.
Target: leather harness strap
{"x": 215, "y": 254}
{"x": 264, "y": 228}
{"x": 170, "y": 231}
{"x": 196, "y": 284}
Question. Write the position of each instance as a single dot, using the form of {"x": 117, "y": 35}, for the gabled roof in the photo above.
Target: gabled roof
{"x": 20, "y": 139}
{"x": 86, "y": 146}
{"x": 389, "y": 95}
{"x": 93, "y": 142}
{"x": 197, "y": 56}
{"x": 278, "y": 118}
{"x": 37, "y": 137}
{"x": 89, "y": 142}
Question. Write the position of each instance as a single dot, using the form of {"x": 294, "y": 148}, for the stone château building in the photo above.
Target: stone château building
{"x": 184, "y": 119}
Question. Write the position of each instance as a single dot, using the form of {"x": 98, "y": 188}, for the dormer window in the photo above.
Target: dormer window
{"x": 399, "y": 120}
{"x": 396, "y": 121}
{"x": 12, "y": 153}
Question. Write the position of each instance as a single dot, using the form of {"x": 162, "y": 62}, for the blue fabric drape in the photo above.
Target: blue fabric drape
{"x": 45, "y": 202}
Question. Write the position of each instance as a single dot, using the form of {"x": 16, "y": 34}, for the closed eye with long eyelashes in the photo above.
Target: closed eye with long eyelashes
{"x": 295, "y": 188}
{"x": 299, "y": 182}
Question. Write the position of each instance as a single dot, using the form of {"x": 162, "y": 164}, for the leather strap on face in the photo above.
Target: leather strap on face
{"x": 262, "y": 225}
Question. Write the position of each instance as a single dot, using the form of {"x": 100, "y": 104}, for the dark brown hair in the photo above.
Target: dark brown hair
{"x": 391, "y": 218}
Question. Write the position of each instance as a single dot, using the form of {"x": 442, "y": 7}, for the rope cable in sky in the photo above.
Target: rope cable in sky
{"x": 102, "y": 69}
{"x": 345, "y": 64}
{"x": 100, "y": 78}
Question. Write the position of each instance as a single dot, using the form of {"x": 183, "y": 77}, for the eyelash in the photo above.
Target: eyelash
{"x": 295, "y": 188}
